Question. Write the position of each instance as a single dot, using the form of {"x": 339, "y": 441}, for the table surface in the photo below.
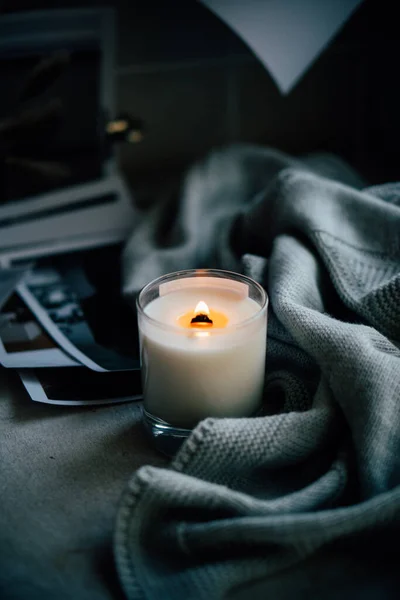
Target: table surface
{"x": 62, "y": 473}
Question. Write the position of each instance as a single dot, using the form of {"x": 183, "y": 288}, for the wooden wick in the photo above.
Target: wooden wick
{"x": 201, "y": 319}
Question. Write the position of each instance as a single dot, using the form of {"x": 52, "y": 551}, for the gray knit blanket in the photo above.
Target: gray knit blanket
{"x": 302, "y": 501}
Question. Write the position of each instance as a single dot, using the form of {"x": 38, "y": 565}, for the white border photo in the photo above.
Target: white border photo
{"x": 81, "y": 387}
{"x": 78, "y": 315}
{"x": 23, "y": 341}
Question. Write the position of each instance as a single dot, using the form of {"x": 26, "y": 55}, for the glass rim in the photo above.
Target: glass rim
{"x": 217, "y": 273}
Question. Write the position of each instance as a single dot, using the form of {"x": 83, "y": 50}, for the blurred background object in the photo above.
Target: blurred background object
{"x": 196, "y": 85}
{"x": 49, "y": 108}
{"x": 53, "y": 116}
{"x": 286, "y": 36}
{"x": 60, "y": 183}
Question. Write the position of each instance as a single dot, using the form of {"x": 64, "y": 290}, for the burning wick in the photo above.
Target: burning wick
{"x": 203, "y": 319}
{"x": 201, "y": 315}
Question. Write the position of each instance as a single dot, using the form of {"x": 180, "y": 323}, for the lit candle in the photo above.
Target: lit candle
{"x": 203, "y": 343}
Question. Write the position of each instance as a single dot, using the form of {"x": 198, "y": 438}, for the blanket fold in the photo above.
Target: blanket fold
{"x": 294, "y": 502}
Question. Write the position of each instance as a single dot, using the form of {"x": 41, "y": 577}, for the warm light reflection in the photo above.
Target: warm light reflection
{"x": 201, "y": 334}
{"x": 117, "y": 126}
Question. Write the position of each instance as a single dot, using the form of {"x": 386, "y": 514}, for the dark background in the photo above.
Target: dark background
{"x": 72, "y": 139}
{"x": 197, "y": 86}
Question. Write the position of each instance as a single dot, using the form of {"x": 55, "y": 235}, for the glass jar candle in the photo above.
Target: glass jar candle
{"x": 203, "y": 345}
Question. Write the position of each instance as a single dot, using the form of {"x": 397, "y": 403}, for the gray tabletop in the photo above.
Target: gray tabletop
{"x": 62, "y": 472}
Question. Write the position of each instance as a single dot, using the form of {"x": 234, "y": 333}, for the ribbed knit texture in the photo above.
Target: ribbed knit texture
{"x": 302, "y": 501}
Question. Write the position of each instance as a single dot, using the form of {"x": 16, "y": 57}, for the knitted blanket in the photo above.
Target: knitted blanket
{"x": 304, "y": 500}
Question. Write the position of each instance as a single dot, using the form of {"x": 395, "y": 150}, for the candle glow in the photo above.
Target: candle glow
{"x": 201, "y": 308}
{"x": 206, "y": 318}
{"x": 203, "y": 342}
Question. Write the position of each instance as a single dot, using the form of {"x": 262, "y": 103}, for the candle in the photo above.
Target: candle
{"x": 203, "y": 343}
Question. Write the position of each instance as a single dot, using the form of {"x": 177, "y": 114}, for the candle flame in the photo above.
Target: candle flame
{"x": 201, "y": 309}
{"x": 202, "y": 317}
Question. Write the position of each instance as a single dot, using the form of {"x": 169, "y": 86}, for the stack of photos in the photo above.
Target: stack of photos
{"x": 66, "y": 328}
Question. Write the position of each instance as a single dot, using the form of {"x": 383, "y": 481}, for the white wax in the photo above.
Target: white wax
{"x": 189, "y": 375}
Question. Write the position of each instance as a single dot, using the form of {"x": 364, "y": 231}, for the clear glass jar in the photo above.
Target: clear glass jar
{"x": 198, "y": 364}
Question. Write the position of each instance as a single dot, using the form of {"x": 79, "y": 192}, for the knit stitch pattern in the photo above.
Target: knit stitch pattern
{"x": 302, "y": 501}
